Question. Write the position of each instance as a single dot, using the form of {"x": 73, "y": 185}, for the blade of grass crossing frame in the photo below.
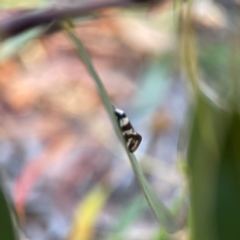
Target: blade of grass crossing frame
{"x": 131, "y": 212}
{"x": 206, "y": 143}
{"x": 8, "y": 231}
{"x": 227, "y": 209}
{"x": 163, "y": 215}
{"x": 11, "y": 46}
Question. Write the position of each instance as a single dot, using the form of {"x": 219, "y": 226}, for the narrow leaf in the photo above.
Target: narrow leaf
{"x": 8, "y": 231}
{"x": 11, "y": 46}
{"x": 129, "y": 215}
{"x": 87, "y": 213}
{"x": 162, "y": 214}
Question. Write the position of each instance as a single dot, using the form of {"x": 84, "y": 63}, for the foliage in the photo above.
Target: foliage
{"x": 211, "y": 70}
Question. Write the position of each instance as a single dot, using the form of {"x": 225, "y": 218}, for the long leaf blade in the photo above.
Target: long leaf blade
{"x": 8, "y": 231}
{"x": 163, "y": 215}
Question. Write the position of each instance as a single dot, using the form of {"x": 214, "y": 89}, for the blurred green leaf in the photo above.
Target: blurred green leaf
{"x": 163, "y": 215}
{"x": 128, "y": 216}
{"x": 206, "y": 141}
{"x": 87, "y": 213}
{"x": 12, "y": 45}
{"x": 213, "y": 151}
{"x": 154, "y": 84}
{"x": 214, "y": 60}
{"x": 227, "y": 202}
{"x": 7, "y": 228}
{"x": 162, "y": 235}
{"x": 22, "y": 3}
{"x": 178, "y": 207}
{"x": 214, "y": 172}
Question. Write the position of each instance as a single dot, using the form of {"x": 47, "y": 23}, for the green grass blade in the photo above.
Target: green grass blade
{"x": 7, "y": 228}
{"x": 11, "y": 46}
{"x": 133, "y": 211}
{"x": 163, "y": 215}
{"x": 206, "y": 142}
{"x": 162, "y": 235}
{"x": 227, "y": 209}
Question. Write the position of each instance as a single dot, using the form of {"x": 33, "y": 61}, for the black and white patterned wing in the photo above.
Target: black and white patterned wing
{"x": 132, "y": 138}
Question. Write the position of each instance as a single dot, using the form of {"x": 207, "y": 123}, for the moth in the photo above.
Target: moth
{"x": 132, "y": 138}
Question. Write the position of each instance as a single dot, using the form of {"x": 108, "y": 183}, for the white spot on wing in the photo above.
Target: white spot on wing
{"x": 124, "y": 122}
{"x": 119, "y": 111}
{"x": 129, "y": 142}
{"x": 128, "y": 132}
{"x": 135, "y": 146}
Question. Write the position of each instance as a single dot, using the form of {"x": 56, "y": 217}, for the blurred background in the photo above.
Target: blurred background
{"x": 62, "y": 164}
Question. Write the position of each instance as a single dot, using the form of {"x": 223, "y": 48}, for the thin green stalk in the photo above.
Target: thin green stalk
{"x": 163, "y": 215}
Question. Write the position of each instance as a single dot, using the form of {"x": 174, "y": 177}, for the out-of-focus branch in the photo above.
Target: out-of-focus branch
{"x": 17, "y": 24}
